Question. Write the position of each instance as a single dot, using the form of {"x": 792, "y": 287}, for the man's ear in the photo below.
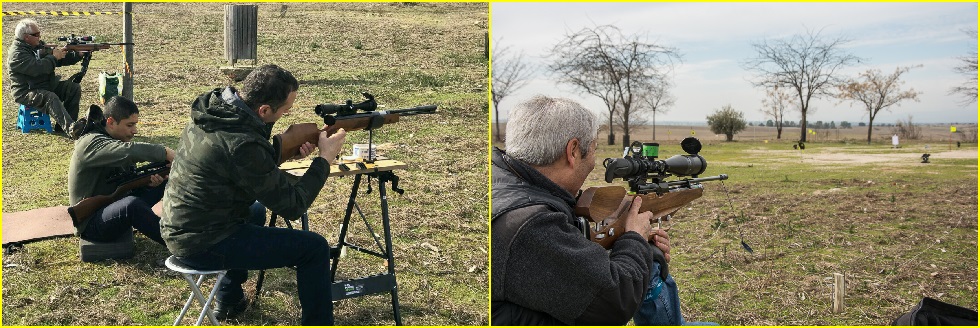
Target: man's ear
{"x": 572, "y": 151}
{"x": 264, "y": 111}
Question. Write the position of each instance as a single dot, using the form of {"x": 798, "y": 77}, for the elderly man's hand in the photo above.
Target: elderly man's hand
{"x": 59, "y": 53}
{"x": 660, "y": 239}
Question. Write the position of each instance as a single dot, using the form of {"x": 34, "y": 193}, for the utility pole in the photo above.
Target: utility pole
{"x": 128, "y": 38}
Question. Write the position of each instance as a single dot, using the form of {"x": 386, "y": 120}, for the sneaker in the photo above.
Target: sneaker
{"x": 224, "y": 311}
{"x": 75, "y": 130}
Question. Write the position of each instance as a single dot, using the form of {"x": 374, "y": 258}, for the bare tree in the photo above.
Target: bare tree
{"x": 658, "y": 100}
{"x": 603, "y": 62}
{"x": 510, "y": 73}
{"x": 807, "y": 63}
{"x": 907, "y": 130}
{"x": 878, "y": 91}
{"x": 968, "y": 68}
{"x": 777, "y": 103}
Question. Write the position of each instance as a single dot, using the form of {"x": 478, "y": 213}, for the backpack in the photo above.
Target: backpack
{"x": 108, "y": 86}
{"x": 931, "y": 312}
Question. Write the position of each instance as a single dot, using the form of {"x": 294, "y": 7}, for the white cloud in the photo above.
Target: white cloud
{"x": 715, "y": 37}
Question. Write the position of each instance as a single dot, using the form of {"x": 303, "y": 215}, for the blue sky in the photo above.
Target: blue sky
{"x": 714, "y": 38}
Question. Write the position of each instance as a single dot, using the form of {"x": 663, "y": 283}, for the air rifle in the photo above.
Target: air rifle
{"x": 134, "y": 178}
{"x": 337, "y": 116}
{"x": 80, "y": 48}
{"x": 606, "y": 208}
{"x": 83, "y": 44}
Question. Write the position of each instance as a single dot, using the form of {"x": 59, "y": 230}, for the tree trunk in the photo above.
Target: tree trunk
{"x": 654, "y": 126}
{"x": 626, "y": 134}
{"x": 728, "y": 137}
{"x": 803, "y": 128}
{"x": 612, "y": 136}
{"x": 869, "y": 130}
{"x": 779, "y": 132}
{"x": 496, "y": 116}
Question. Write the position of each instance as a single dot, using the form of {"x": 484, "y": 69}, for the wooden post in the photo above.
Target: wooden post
{"x": 838, "y": 293}
{"x": 127, "y": 91}
{"x": 241, "y": 33}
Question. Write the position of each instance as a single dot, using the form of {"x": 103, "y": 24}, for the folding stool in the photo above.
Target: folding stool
{"x": 190, "y": 274}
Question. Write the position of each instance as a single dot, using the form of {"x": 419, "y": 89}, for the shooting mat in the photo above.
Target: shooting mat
{"x": 40, "y": 224}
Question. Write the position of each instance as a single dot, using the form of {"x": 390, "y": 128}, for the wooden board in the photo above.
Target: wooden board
{"x": 298, "y": 168}
{"x": 36, "y": 224}
{"x": 41, "y": 223}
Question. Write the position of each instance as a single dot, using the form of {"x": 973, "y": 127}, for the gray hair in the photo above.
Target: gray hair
{"x": 24, "y": 27}
{"x": 539, "y": 128}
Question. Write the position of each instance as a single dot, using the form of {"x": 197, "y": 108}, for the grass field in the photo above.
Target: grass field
{"x": 406, "y": 54}
{"x": 898, "y": 229}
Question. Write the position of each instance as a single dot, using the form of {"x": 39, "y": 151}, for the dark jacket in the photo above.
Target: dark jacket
{"x": 224, "y": 164}
{"x": 29, "y": 70}
{"x": 545, "y": 272}
{"x": 98, "y": 156}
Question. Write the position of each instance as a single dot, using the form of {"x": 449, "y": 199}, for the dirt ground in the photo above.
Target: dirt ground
{"x": 836, "y": 156}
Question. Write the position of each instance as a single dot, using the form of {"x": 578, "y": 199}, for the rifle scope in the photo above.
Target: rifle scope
{"x": 640, "y": 161}
{"x": 348, "y": 108}
{"x": 76, "y": 39}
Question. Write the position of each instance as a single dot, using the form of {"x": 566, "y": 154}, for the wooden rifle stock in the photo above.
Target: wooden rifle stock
{"x": 88, "y": 206}
{"x": 288, "y": 142}
{"x": 607, "y": 208}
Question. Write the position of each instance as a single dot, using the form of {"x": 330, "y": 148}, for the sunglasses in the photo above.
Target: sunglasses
{"x": 36, "y": 35}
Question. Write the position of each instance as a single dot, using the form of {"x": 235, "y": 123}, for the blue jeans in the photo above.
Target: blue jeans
{"x": 661, "y": 306}
{"x": 133, "y": 211}
{"x": 255, "y": 247}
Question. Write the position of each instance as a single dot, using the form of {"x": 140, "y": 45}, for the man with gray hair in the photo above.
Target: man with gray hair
{"x": 33, "y": 80}
{"x": 545, "y": 272}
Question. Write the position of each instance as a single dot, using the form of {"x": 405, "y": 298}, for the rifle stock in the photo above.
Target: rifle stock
{"x": 288, "y": 142}
{"x": 88, "y": 206}
{"x": 607, "y": 208}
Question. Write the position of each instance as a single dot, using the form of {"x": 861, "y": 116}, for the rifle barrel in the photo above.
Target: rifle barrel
{"x": 427, "y": 109}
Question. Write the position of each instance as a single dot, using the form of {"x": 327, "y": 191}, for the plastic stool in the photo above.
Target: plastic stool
{"x": 29, "y": 118}
{"x": 190, "y": 274}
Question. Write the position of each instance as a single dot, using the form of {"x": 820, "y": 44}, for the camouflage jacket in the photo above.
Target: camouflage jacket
{"x": 225, "y": 163}
{"x": 98, "y": 156}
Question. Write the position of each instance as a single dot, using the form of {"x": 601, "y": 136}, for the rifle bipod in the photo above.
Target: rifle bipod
{"x": 738, "y": 223}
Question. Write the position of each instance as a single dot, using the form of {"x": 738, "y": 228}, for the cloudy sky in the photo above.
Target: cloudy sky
{"x": 714, "y": 38}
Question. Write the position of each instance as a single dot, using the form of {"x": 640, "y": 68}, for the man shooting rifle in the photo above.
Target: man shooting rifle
{"x": 545, "y": 272}
{"x": 33, "y": 80}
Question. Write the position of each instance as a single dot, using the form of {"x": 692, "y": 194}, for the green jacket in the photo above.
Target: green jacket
{"x": 98, "y": 156}
{"x": 28, "y": 70}
{"x": 225, "y": 163}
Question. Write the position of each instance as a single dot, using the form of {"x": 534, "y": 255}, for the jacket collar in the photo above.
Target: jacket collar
{"x": 530, "y": 175}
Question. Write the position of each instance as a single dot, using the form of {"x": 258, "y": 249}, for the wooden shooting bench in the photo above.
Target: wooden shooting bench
{"x": 383, "y": 282}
